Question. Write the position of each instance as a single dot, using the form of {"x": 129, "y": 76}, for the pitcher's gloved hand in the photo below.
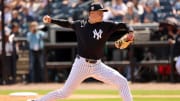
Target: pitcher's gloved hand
{"x": 124, "y": 41}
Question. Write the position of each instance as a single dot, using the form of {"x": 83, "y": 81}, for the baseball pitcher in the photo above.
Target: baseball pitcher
{"x": 91, "y": 37}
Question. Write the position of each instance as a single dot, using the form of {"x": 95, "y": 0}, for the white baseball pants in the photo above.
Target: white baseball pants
{"x": 82, "y": 70}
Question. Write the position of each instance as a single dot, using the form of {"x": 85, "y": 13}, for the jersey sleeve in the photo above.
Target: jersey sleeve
{"x": 63, "y": 23}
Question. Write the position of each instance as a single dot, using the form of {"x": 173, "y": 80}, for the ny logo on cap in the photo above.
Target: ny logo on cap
{"x": 92, "y": 8}
{"x": 97, "y": 34}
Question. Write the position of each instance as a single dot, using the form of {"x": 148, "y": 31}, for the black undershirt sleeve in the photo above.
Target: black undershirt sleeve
{"x": 63, "y": 23}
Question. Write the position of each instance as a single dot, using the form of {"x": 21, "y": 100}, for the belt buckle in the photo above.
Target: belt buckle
{"x": 88, "y": 60}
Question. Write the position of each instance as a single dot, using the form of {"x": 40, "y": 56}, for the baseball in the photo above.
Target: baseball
{"x": 47, "y": 19}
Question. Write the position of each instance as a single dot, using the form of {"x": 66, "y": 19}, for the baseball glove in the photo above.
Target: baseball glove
{"x": 123, "y": 43}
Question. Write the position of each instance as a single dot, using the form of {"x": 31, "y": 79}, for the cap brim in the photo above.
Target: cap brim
{"x": 104, "y": 10}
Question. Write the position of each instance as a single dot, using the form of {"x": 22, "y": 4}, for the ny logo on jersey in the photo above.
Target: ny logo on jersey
{"x": 83, "y": 23}
{"x": 97, "y": 34}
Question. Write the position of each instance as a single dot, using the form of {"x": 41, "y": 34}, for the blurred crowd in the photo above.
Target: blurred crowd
{"x": 22, "y": 12}
{"x": 22, "y": 15}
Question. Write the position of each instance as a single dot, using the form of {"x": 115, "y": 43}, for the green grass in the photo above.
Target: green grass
{"x": 136, "y": 99}
{"x": 91, "y": 99}
{"x": 136, "y": 94}
{"x": 101, "y": 92}
{"x": 156, "y": 92}
{"x": 156, "y": 99}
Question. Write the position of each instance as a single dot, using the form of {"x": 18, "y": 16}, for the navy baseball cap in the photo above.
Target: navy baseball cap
{"x": 97, "y": 7}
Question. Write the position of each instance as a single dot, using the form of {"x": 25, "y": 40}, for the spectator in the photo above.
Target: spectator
{"x": 117, "y": 10}
{"x": 17, "y": 5}
{"x": 16, "y": 17}
{"x": 0, "y": 4}
{"x": 33, "y": 7}
{"x": 153, "y": 3}
{"x": 7, "y": 32}
{"x": 10, "y": 59}
{"x": 149, "y": 16}
{"x": 156, "y": 6}
{"x": 138, "y": 7}
{"x": 171, "y": 27}
{"x": 79, "y": 10}
{"x": 15, "y": 33}
{"x": 131, "y": 15}
{"x": 176, "y": 50}
{"x": 167, "y": 30}
{"x": 8, "y": 15}
{"x": 177, "y": 7}
{"x": 7, "y": 1}
{"x": 160, "y": 34}
{"x": 66, "y": 7}
{"x": 8, "y": 78}
{"x": 36, "y": 46}
{"x": 26, "y": 16}
{"x": 43, "y": 4}
{"x": 15, "y": 48}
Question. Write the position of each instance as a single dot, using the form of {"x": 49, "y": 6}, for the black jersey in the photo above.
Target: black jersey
{"x": 91, "y": 38}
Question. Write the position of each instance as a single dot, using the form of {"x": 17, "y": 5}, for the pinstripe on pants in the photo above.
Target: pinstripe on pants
{"x": 82, "y": 70}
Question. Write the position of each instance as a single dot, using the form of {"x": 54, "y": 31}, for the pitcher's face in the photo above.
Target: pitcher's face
{"x": 96, "y": 16}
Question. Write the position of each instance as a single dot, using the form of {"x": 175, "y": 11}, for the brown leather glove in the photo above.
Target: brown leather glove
{"x": 123, "y": 43}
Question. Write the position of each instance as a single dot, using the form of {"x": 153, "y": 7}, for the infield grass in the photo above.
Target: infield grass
{"x": 101, "y": 92}
{"x": 139, "y": 95}
{"x": 117, "y": 99}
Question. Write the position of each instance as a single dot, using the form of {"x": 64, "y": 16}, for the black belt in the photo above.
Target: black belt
{"x": 88, "y": 60}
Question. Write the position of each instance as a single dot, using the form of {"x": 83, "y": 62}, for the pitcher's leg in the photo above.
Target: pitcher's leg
{"x": 75, "y": 78}
{"x": 110, "y": 76}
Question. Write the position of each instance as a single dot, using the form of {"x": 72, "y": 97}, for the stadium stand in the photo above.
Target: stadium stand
{"x": 68, "y": 9}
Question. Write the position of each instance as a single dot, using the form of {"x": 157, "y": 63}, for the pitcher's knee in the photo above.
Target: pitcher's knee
{"x": 121, "y": 81}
